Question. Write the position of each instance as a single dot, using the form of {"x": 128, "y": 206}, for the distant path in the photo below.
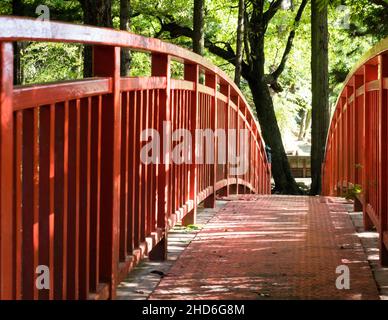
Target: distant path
{"x": 272, "y": 247}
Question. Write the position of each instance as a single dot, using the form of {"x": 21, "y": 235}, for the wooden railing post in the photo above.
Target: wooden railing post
{"x": 192, "y": 74}
{"x": 383, "y": 158}
{"x": 106, "y": 63}
{"x": 161, "y": 68}
{"x": 211, "y": 81}
{"x": 7, "y": 229}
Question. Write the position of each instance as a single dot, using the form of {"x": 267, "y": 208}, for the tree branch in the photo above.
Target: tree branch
{"x": 273, "y": 8}
{"x": 227, "y": 53}
{"x": 175, "y": 30}
{"x": 246, "y": 40}
{"x": 275, "y": 75}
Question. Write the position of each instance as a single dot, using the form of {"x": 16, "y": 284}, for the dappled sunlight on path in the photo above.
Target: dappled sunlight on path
{"x": 272, "y": 247}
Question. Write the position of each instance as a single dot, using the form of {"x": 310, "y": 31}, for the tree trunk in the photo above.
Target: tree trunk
{"x": 125, "y": 25}
{"x": 320, "y": 91}
{"x": 307, "y": 124}
{"x": 302, "y": 126}
{"x": 284, "y": 181}
{"x": 246, "y": 39}
{"x": 96, "y": 13}
{"x": 281, "y": 171}
{"x": 17, "y": 10}
{"x": 198, "y": 27}
{"x": 240, "y": 41}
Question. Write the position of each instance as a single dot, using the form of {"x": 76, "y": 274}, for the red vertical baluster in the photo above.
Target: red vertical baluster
{"x": 95, "y": 190}
{"x": 211, "y": 81}
{"x": 143, "y": 168}
{"x": 237, "y": 142}
{"x": 222, "y": 115}
{"x": 18, "y": 209}
{"x": 46, "y": 192}
{"x": 155, "y": 104}
{"x": 228, "y": 126}
{"x": 60, "y": 199}
{"x": 85, "y": 166}
{"x": 345, "y": 142}
{"x": 132, "y": 171}
{"x": 370, "y": 74}
{"x": 137, "y": 185}
{"x": 174, "y": 169}
{"x": 358, "y": 126}
{"x": 30, "y": 202}
{"x": 174, "y": 107}
{"x": 74, "y": 201}
{"x": 149, "y": 167}
{"x": 180, "y": 166}
{"x": 124, "y": 176}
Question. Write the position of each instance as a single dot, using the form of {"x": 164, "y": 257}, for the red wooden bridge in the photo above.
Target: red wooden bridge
{"x": 75, "y": 195}
{"x": 356, "y": 160}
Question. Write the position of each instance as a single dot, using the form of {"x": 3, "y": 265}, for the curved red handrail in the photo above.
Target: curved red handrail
{"x": 356, "y": 150}
{"x": 75, "y": 195}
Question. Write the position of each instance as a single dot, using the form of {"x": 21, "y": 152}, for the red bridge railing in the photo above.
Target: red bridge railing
{"x": 74, "y": 193}
{"x": 357, "y": 144}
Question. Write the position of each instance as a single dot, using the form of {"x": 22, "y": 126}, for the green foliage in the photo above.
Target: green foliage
{"x": 353, "y": 192}
{"x": 359, "y": 166}
{"x": 140, "y": 64}
{"x": 5, "y": 7}
{"x": 51, "y": 62}
{"x": 193, "y": 227}
{"x": 46, "y": 62}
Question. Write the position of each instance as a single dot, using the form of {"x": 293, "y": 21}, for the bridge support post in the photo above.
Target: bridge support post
{"x": 6, "y": 173}
{"x": 106, "y": 63}
{"x": 161, "y": 68}
{"x": 191, "y": 73}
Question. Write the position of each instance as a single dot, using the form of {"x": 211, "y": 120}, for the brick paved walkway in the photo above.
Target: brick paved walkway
{"x": 276, "y": 247}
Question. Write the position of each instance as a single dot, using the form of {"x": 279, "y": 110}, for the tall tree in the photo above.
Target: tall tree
{"x": 199, "y": 26}
{"x": 260, "y": 84}
{"x": 96, "y": 13}
{"x": 240, "y": 41}
{"x": 125, "y": 25}
{"x": 253, "y": 70}
{"x": 320, "y": 89}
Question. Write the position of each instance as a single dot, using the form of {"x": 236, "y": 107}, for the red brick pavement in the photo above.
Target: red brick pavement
{"x": 272, "y": 247}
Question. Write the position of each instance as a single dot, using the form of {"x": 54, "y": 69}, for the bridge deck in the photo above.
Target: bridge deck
{"x": 272, "y": 247}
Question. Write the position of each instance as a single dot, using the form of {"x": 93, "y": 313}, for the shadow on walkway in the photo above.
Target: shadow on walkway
{"x": 271, "y": 247}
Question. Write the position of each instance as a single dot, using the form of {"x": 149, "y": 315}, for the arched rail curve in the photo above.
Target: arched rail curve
{"x": 76, "y": 195}
{"x": 356, "y": 151}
